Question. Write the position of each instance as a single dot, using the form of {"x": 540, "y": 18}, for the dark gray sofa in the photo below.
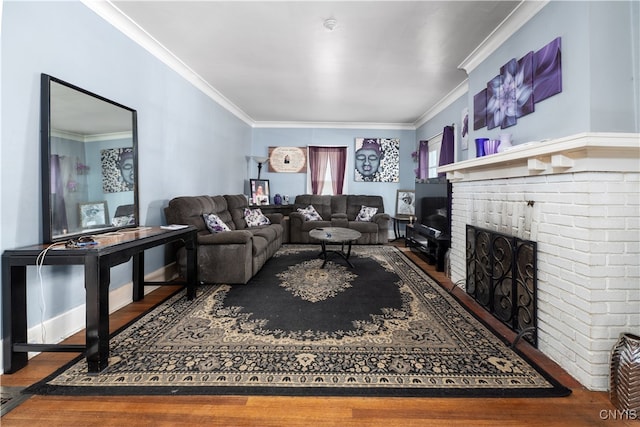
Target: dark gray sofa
{"x": 340, "y": 211}
{"x": 229, "y": 256}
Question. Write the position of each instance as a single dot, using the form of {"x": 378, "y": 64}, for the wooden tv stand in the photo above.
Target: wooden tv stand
{"x": 424, "y": 241}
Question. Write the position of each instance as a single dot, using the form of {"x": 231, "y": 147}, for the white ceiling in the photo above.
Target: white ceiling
{"x": 385, "y": 62}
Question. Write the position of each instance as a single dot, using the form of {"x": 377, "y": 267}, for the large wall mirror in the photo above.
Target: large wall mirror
{"x": 89, "y": 162}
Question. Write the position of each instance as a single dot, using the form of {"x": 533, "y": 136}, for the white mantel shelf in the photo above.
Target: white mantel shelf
{"x": 583, "y": 152}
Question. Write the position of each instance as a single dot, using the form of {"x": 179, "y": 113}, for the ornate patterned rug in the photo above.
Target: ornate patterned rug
{"x": 383, "y": 328}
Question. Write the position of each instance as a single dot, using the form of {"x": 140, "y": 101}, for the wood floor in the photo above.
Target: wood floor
{"x": 581, "y": 408}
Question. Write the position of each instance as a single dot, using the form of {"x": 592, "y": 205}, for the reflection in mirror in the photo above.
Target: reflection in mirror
{"x": 89, "y": 162}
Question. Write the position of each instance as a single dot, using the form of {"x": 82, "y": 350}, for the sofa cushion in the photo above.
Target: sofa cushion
{"x": 324, "y": 205}
{"x": 364, "y": 227}
{"x": 366, "y": 213}
{"x": 355, "y": 202}
{"x": 260, "y": 244}
{"x": 269, "y": 233}
{"x": 236, "y": 203}
{"x": 255, "y": 218}
{"x": 310, "y": 213}
{"x": 214, "y": 223}
{"x": 310, "y": 225}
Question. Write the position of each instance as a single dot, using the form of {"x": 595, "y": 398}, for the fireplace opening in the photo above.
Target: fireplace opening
{"x": 502, "y": 278}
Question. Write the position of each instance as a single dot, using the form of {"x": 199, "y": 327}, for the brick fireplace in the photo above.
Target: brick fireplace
{"x": 578, "y": 197}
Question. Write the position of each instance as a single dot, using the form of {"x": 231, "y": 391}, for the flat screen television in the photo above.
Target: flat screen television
{"x": 434, "y": 213}
{"x": 432, "y": 204}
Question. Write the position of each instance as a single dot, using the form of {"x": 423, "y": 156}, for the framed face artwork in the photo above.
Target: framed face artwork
{"x": 377, "y": 160}
{"x": 259, "y": 191}
{"x": 117, "y": 169}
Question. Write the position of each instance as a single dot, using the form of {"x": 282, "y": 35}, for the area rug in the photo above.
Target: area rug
{"x": 382, "y": 328}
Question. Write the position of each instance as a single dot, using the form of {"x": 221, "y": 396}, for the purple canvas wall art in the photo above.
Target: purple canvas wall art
{"x": 507, "y": 95}
{"x": 519, "y": 86}
{"x": 494, "y": 113}
{"x": 480, "y": 110}
{"x": 547, "y": 79}
{"x": 524, "y": 84}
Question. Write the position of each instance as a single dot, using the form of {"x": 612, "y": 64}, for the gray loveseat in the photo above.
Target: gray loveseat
{"x": 228, "y": 256}
{"x": 340, "y": 211}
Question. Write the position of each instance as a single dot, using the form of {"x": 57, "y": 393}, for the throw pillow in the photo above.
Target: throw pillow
{"x": 366, "y": 213}
{"x": 310, "y": 213}
{"x": 214, "y": 223}
{"x": 255, "y": 218}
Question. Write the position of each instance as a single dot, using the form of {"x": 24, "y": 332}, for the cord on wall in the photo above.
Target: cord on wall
{"x": 43, "y": 304}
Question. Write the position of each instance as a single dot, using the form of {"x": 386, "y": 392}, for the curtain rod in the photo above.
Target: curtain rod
{"x": 439, "y": 133}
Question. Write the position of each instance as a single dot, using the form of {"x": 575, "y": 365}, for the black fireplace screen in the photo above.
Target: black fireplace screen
{"x": 501, "y": 276}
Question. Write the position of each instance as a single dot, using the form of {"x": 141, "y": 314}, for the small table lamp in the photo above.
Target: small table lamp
{"x": 260, "y": 160}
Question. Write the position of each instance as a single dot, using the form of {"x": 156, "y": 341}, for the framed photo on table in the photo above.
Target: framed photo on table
{"x": 93, "y": 214}
{"x": 405, "y": 203}
{"x": 259, "y": 191}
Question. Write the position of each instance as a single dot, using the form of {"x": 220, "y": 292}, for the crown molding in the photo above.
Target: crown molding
{"x": 526, "y": 10}
{"x": 114, "y": 16}
{"x": 449, "y": 99}
{"x": 335, "y": 125}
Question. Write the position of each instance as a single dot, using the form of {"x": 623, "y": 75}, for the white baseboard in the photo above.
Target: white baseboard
{"x": 58, "y": 328}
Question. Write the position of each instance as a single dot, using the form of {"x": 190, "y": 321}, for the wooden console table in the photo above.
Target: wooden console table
{"x": 112, "y": 249}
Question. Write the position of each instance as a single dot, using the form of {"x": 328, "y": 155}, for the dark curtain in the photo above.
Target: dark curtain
{"x": 446, "y": 148}
{"x": 423, "y": 160}
{"x": 318, "y": 168}
{"x": 338, "y": 161}
{"x": 319, "y": 158}
{"x": 58, "y": 208}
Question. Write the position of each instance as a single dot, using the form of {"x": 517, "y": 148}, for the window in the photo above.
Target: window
{"x": 429, "y": 157}
{"x": 434, "y": 156}
{"x": 327, "y": 186}
{"x": 326, "y": 170}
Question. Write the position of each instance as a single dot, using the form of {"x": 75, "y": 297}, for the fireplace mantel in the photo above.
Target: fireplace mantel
{"x": 583, "y": 152}
{"x": 577, "y": 198}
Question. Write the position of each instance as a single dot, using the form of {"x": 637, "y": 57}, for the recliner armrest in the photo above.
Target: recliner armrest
{"x": 382, "y": 215}
{"x": 275, "y": 218}
{"x": 225, "y": 237}
{"x": 381, "y": 218}
{"x": 296, "y": 217}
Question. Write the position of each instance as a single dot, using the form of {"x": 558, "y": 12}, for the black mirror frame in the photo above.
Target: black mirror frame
{"x": 45, "y": 166}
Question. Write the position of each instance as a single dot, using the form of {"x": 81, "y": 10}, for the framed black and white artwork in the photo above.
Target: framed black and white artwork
{"x": 405, "y": 203}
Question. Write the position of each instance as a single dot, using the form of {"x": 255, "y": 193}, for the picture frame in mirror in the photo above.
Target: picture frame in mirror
{"x": 93, "y": 214}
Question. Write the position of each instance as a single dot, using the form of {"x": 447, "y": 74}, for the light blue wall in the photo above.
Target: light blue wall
{"x": 600, "y": 74}
{"x": 182, "y": 132}
{"x": 295, "y": 183}
{"x": 614, "y": 62}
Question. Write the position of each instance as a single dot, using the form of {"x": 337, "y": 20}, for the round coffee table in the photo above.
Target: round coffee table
{"x": 336, "y": 235}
